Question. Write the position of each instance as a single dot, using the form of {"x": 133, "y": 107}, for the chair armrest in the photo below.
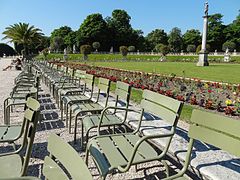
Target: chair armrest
{"x": 138, "y": 143}
{"x": 113, "y": 107}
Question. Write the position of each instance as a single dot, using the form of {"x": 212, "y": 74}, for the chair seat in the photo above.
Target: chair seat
{"x": 93, "y": 121}
{"x": 86, "y": 107}
{"x": 67, "y": 86}
{"x": 118, "y": 149}
{"x": 10, "y": 166}
{"x": 51, "y": 170}
{"x": 68, "y": 90}
{"x": 17, "y": 101}
{"x": 8, "y": 133}
{"x": 67, "y": 99}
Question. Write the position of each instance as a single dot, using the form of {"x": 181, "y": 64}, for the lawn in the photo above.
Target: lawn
{"x": 229, "y": 73}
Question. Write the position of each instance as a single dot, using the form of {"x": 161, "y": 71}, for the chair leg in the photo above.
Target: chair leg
{"x": 82, "y": 137}
{"x": 70, "y": 119}
{"x": 75, "y": 129}
{"x": 61, "y": 109}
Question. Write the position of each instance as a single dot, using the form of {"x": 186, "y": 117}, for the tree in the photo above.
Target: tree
{"x": 192, "y": 37}
{"x": 215, "y": 32}
{"x": 96, "y": 45}
{"x": 85, "y": 50}
{"x": 232, "y": 32}
{"x": 124, "y": 51}
{"x": 191, "y": 48}
{"x": 157, "y": 36}
{"x": 162, "y": 48}
{"x": 131, "y": 48}
{"x": 70, "y": 39}
{"x": 175, "y": 40}
{"x": 93, "y": 29}
{"x": 228, "y": 45}
{"x": 57, "y": 44}
{"x": 199, "y": 47}
{"x": 7, "y": 50}
{"x": 121, "y": 29}
{"x": 63, "y": 32}
{"x": 23, "y": 34}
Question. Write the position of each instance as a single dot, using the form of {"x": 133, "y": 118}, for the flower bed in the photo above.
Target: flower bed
{"x": 210, "y": 95}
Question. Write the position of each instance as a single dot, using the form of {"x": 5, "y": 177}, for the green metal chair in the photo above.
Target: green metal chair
{"x": 118, "y": 152}
{"x": 17, "y": 100}
{"x": 69, "y": 159}
{"x": 71, "y": 85}
{"x": 84, "y": 107}
{"x": 105, "y": 119}
{"x": 77, "y": 96}
{"x": 13, "y": 164}
{"x": 219, "y": 131}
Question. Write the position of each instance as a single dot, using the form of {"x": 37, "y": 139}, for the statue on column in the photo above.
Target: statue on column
{"x": 206, "y": 9}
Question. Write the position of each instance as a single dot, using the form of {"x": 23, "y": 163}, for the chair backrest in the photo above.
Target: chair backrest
{"x": 31, "y": 117}
{"x": 89, "y": 81}
{"x": 220, "y": 131}
{"x": 123, "y": 91}
{"x": 68, "y": 157}
{"x": 70, "y": 72}
{"x": 79, "y": 74}
{"x": 104, "y": 86}
{"x": 165, "y": 107}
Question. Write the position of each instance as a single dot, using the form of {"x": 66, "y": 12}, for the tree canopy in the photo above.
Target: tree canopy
{"x": 24, "y": 34}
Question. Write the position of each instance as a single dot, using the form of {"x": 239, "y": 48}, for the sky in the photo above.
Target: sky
{"x": 146, "y": 15}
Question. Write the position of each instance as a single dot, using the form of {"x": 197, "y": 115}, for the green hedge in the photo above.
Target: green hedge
{"x": 113, "y": 57}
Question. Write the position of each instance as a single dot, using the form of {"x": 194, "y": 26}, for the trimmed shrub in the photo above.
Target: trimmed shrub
{"x": 162, "y": 48}
{"x": 200, "y": 47}
{"x": 96, "y": 45}
{"x": 191, "y": 48}
{"x": 85, "y": 50}
{"x": 124, "y": 51}
{"x": 131, "y": 48}
{"x": 230, "y": 45}
{"x": 45, "y": 53}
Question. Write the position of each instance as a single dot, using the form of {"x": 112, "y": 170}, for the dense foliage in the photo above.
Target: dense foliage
{"x": 7, "y": 50}
{"x": 25, "y": 36}
{"x": 116, "y": 30}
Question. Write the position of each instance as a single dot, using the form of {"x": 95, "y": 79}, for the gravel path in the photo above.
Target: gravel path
{"x": 50, "y": 123}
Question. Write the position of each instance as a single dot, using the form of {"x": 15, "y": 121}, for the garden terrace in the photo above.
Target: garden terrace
{"x": 51, "y": 123}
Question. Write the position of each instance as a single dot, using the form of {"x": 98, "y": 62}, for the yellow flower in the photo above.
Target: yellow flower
{"x": 228, "y": 102}
{"x": 206, "y": 85}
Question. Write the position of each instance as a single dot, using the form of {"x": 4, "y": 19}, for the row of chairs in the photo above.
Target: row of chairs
{"x": 82, "y": 103}
{"x": 117, "y": 152}
{"x": 14, "y": 163}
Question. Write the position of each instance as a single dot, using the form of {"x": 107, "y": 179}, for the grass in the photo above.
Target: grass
{"x": 229, "y": 73}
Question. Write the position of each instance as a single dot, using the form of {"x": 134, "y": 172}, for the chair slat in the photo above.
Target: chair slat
{"x": 122, "y": 85}
{"x": 221, "y": 123}
{"x": 161, "y": 99}
{"x": 159, "y": 111}
{"x": 215, "y": 138}
{"x": 68, "y": 157}
{"x": 111, "y": 152}
{"x": 28, "y": 114}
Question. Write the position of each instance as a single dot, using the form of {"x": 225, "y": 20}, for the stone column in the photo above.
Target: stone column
{"x": 203, "y": 54}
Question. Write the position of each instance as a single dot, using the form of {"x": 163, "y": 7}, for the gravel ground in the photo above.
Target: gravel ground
{"x": 51, "y": 123}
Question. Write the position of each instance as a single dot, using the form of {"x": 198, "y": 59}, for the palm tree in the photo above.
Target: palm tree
{"x": 23, "y": 34}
